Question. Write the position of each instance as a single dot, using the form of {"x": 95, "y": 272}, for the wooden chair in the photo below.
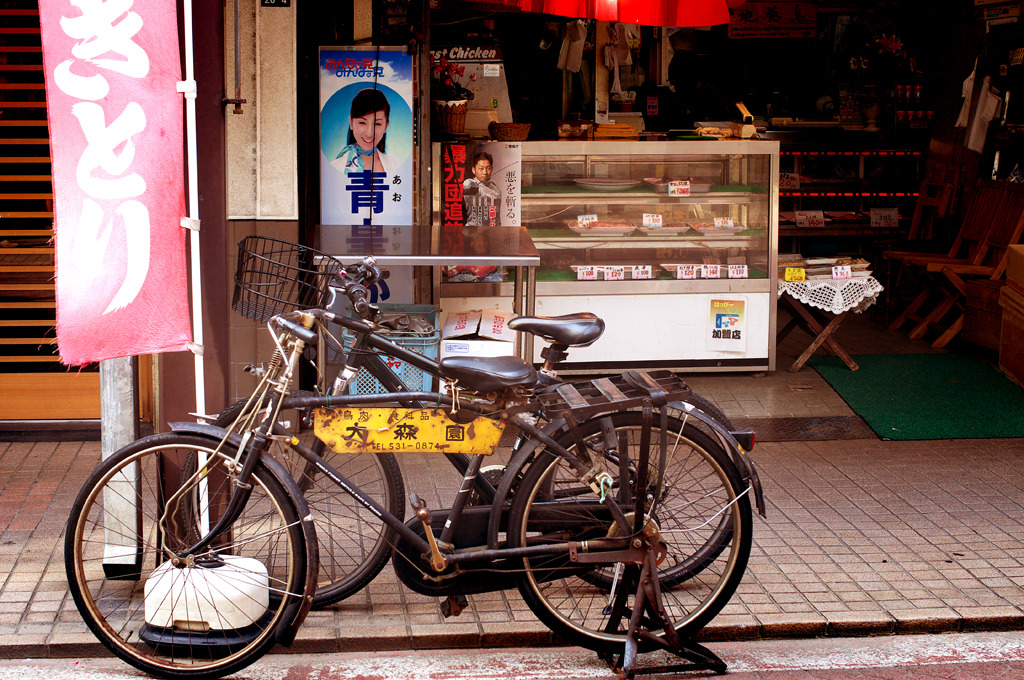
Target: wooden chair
{"x": 988, "y": 262}
{"x": 970, "y": 245}
{"x": 937, "y": 199}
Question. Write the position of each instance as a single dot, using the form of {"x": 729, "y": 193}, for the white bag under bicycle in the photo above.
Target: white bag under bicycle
{"x": 227, "y": 597}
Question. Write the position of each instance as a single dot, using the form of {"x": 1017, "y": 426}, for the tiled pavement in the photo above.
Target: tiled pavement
{"x": 863, "y": 536}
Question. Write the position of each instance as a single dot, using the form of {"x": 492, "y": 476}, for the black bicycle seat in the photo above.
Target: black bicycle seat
{"x": 572, "y": 330}
{"x": 489, "y": 374}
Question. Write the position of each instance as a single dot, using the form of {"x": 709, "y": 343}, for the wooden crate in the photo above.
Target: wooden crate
{"x": 982, "y": 318}
{"x": 1011, "y": 341}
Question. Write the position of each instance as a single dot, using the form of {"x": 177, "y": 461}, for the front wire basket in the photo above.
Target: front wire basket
{"x": 276, "y": 276}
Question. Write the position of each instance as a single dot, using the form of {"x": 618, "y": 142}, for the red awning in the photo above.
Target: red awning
{"x": 644, "y": 12}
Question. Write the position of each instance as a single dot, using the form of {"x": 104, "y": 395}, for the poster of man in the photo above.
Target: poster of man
{"x": 365, "y": 136}
{"x": 480, "y": 197}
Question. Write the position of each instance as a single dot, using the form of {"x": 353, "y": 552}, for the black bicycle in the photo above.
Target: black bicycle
{"x": 190, "y": 553}
{"x": 274, "y": 276}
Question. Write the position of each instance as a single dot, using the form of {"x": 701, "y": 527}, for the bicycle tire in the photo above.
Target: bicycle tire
{"x": 120, "y": 537}
{"x": 354, "y": 544}
{"x": 706, "y": 556}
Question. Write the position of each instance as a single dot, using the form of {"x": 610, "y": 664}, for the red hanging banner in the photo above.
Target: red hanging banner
{"x": 643, "y": 12}
{"x": 118, "y": 177}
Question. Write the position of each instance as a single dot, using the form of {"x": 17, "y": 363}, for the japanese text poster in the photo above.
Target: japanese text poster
{"x": 727, "y": 328}
{"x": 366, "y": 136}
{"x": 480, "y": 198}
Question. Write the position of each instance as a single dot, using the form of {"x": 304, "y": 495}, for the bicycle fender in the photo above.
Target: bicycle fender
{"x": 736, "y": 451}
{"x": 205, "y": 430}
{"x": 516, "y": 463}
{"x": 295, "y": 613}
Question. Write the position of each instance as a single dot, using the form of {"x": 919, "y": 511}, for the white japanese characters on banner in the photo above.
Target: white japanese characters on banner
{"x": 366, "y": 136}
{"x": 115, "y": 116}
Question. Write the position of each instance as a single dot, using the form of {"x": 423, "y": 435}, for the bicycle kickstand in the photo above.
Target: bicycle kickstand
{"x": 648, "y": 600}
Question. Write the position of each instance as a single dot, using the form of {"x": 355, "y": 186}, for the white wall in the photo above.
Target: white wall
{"x": 262, "y": 166}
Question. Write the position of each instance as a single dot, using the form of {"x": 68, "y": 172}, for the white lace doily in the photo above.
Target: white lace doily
{"x": 835, "y": 295}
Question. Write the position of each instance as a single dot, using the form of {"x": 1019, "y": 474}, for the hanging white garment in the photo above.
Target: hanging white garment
{"x": 616, "y": 53}
{"x": 989, "y": 106}
{"x": 571, "y": 55}
{"x": 968, "y": 88}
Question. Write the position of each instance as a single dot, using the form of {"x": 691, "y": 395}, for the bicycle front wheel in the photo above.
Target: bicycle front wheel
{"x": 354, "y": 544}
{"x": 702, "y": 515}
{"x": 210, "y": 614}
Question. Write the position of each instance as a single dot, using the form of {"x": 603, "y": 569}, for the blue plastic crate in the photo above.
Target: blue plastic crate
{"x": 427, "y": 345}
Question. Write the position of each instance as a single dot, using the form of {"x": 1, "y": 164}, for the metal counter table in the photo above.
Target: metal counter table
{"x": 397, "y": 246}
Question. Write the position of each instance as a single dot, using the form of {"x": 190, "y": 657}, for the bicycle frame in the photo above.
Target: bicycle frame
{"x": 362, "y": 355}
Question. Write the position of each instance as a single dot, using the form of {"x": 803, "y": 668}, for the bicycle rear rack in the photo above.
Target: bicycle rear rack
{"x": 630, "y": 390}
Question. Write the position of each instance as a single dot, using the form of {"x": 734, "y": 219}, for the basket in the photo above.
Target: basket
{"x": 427, "y": 345}
{"x": 509, "y": 132}
{"x": 275, "y": 276}
{"x": 451, "y": 115}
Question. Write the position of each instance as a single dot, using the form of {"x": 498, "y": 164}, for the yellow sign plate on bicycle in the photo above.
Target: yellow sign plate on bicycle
{"x": 368, "y": 430}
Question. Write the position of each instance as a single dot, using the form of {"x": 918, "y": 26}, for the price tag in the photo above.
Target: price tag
{"x": 679, "y": 187}
{"x": 789, "y": 180}
{"x": 686, "y": 271}
{"x": 884, "y": 218}
{"x": 641, "y": 271}
{"x": 842, "y": 272}
{"x": 724, "y": 222}
{"x": 652, "y": 220}
{"x": 710, "y": 271}
{"x": 711, "y": 259}
{"x": 614, "y": 273}
{"x": 586, "y": 273}
{"x": 584, "y": 220}
{"x": 810, "y": 218}
{"x": 737, "y": 271}
{"x": 795, "y": 274}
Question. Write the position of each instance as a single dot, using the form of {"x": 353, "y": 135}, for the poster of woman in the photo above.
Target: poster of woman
{"x": 365, "y": 136}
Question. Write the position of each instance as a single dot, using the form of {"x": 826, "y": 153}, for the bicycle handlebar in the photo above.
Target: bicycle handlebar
{"x": 354, "y": 279}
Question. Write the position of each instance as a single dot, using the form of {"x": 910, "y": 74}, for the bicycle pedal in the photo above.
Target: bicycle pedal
{"x": 453, "y": 605}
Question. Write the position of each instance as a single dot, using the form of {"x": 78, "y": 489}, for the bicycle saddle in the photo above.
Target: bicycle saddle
{"x": 572, "y": 330}
{"x": 489, "y": 374}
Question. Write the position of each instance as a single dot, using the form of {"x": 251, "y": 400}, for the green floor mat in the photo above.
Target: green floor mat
{"x": 928, "y": 396}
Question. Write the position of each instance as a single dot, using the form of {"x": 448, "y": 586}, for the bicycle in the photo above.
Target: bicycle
{"x": 581, "y": 537}
{"x": 275, "y": 276}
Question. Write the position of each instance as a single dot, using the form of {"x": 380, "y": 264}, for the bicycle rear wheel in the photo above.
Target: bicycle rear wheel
{"x": 703, "y": 518}
{"x": 205, "y": 617}
{"x": 354, "y": 544}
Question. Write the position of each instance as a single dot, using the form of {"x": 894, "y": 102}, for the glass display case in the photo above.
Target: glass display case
{"x": 673, "y": 244}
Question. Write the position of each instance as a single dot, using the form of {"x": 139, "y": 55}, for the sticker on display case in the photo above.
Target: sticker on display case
{"x": 814, "y": 219}
{"x": 795, "y": 274}
{"x": 686, "y": 271}
{"x": 724, "y": 222}
{"x": 884, "y": 218}
{"x": 738, "y": 271}
{"x": 710, "y": 271}
{"x": 727, "y": 324}
{"x": 588, "y": 273}
{"x": 652, "y": 220}
{"x": 584, "y": 220}
{"x": 614, "y": 273}
{"x": 679, "y": 187}
{"x": 842, "y": 272}
{"x": 641, "y": 271}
